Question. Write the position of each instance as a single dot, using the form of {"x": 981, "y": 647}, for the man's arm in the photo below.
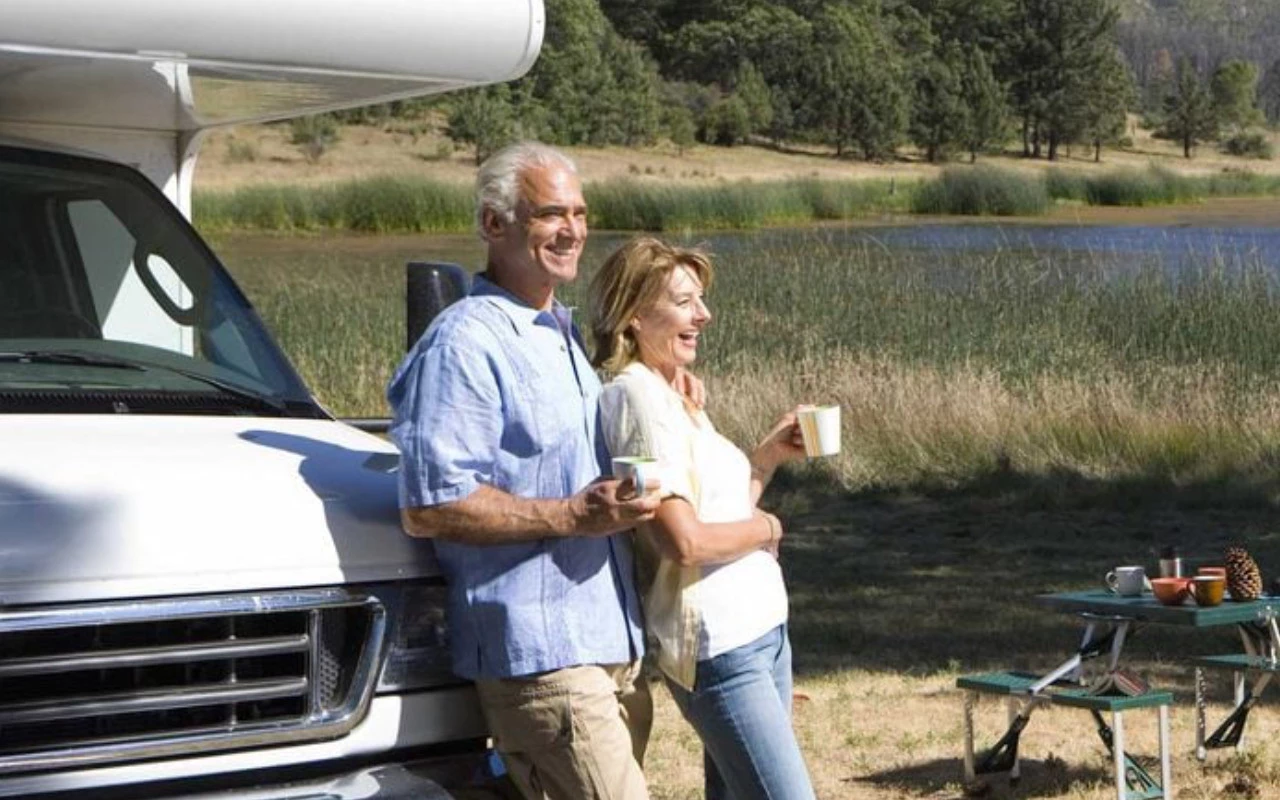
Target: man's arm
{"x": 491, "y": 516}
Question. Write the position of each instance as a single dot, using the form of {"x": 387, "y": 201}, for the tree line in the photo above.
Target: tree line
{"x": 954, "y": 78}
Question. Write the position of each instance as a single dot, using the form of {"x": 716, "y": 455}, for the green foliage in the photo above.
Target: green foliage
{"x": 1134, "y": 188}
{"x": 983, "y": 97}
{"x": 630, "y": 205}
{"x": 1102, "y": 116}
{"x": 1234, "y": 88}
{"x": 981, "y": 190}
{"x": 484, "y": 118}
{"x": 1269, "y": 93}
{"x": 1249, "y": 144}
{"x": 1057, "y": 49}
{"x": 404, "y": 205}
{"x": 858, "y": 91}
{"x": 313, "y": 135}
{"x": 728, "y": 122}
{"x": 1188, "y": 111}
{"x": 680, "y": 126}
{"x": 595, "y": 87}
{"x": 377, "y": 205}
{"x": 940, "y": 115}
{"x": 750, "y": 88}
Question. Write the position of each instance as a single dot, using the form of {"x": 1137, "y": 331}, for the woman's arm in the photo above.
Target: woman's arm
{"x": 684, "y": 539}
{"x": 782, "y": 443}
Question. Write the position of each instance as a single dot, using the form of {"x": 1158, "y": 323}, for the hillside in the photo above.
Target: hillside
{"x": 263, "y": 155}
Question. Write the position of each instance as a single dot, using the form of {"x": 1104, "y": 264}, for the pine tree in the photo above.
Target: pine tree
{"x": 1188, "y": 110}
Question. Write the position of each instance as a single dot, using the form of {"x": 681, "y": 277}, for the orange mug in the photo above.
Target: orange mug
{"x": 1170, "y": 591}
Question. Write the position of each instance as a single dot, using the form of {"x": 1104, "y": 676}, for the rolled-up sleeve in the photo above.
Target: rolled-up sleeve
{"x": 636, "y": 423}
{"x": 447, "y": 422}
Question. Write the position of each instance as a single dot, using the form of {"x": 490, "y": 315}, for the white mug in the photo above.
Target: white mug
{"x": 642, "y": 470}
{"x": 1126, "y": 581}
{"x": 820, "y": 428}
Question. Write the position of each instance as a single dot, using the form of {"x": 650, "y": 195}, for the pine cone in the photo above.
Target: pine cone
{"x": 1244, "y": 580}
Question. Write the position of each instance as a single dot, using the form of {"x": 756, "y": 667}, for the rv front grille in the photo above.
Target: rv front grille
{"x": 124, "y": 681}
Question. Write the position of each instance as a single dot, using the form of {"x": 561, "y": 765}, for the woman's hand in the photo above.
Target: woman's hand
{"x": 782, "y": 443}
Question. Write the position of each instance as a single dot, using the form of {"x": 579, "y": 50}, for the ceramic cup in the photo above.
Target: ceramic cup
{"x": 820, "y": 427}
{"x": 1128, "y": 581}
{"x": 1171, "y": 591}
{"x": 642, "y": 470}
{"x": 1208, "y": 589}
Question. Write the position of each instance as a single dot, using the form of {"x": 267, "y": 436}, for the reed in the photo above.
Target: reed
{"x": 982, "y": 190}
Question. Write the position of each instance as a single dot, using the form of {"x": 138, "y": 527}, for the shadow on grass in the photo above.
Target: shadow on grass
{"x": 930, "y": 579}
{"x": 1049, "y": 777}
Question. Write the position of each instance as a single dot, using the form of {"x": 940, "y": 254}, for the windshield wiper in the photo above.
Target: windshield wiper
{"x": 80, "y": 358}
{"x": 66, "y": 357}
{"x": 248, "y": 395}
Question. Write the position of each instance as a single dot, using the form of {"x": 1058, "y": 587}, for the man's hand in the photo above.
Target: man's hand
{"x": 609, "y": 505}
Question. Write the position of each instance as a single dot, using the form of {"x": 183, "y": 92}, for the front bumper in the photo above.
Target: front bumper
{"x": 425, "y": 780}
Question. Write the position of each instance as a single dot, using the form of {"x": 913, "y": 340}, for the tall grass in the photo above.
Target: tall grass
{"x": 948, "y": 367}
{"x": 417, "y": 205}
{"x": 982, "y": 190}
{"x": 383, "y": 205}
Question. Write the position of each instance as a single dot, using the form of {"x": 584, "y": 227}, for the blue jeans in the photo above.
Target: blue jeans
{"x": 741, "y": 708}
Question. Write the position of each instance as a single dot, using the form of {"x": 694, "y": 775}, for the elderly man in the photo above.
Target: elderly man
{"x": 496, "y": 420}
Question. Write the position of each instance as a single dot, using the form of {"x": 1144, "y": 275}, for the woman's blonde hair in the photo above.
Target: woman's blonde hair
{"x": 630, "y": 283}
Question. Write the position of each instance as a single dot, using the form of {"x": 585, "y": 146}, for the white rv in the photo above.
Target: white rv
{"x": 203, "y": 583}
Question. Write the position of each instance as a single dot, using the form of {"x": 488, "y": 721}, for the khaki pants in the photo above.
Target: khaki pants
{"x": 577, "y": 733}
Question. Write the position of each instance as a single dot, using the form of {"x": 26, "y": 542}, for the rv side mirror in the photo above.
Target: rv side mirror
{"x": 429, "y": 288}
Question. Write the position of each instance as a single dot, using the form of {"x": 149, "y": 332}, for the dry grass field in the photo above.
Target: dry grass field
{"x": 262, "y": 154}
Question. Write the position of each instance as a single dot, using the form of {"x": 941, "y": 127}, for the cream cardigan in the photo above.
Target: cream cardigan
{"x": 697, "y": 611}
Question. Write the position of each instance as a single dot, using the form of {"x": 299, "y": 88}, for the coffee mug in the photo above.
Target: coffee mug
{"x": 642, "y": 470}
{"x": 1126, "y": 581}
{"x": 1207, "y": 590}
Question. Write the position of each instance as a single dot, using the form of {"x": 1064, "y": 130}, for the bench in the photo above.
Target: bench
{"x": 1231, "y": 732}
{"x": 1132, "y": 781}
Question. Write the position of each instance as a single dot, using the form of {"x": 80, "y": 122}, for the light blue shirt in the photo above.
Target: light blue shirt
{"x": 499, "y": 393}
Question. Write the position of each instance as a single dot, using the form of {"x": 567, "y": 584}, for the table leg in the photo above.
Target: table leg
{"x": 1015, "y": 771}
{"x": 1201, "y": 752}
{"x": 1117, "y": 753}
{"x": 970, "y": 698}
{"x": 1166, "y": 768}
{"x": 1237, "y": 678}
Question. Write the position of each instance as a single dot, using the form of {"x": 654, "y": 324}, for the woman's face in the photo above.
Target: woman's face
{"x": 667, "y": 332}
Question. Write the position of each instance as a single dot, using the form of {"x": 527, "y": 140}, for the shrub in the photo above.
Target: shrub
{"x": 1250, "y": 144}
{"x": 313, "y": 135}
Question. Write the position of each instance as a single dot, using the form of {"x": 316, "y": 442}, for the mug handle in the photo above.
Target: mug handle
{"x": 1111, "y": 581}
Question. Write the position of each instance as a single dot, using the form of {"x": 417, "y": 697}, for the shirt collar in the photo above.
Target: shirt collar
{"x": 519, "y": 313}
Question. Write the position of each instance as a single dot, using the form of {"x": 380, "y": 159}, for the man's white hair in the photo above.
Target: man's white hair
{"x": 498, "y": 181}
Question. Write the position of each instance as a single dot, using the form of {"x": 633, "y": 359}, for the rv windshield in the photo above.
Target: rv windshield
{"x": 110, "y": 302}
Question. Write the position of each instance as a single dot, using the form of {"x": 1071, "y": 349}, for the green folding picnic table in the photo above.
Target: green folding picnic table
{"x": 1110, "y": 618}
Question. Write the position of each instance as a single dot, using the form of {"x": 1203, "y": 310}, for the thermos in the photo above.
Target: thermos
{"x": 1170, "y": 563}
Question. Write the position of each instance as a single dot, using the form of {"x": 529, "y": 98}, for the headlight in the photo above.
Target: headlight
{"x": 417, "y": 637}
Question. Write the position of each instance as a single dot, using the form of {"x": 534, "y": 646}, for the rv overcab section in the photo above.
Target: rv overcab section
{"x": 205, "y": 586}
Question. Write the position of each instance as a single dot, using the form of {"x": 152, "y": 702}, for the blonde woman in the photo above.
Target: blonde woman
{"x": 713, "y": 594}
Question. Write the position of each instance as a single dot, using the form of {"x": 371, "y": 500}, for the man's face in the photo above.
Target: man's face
{"x": 542, "y": 246}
